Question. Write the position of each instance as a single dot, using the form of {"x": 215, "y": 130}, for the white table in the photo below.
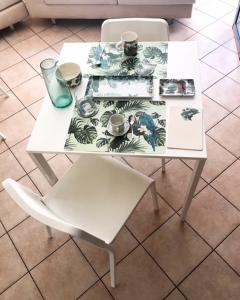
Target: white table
{"x": 51, "y": 128}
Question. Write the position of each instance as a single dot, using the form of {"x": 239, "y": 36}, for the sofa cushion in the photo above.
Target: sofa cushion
{"x": 6, "y": 3}
{"x": 155, "y": 2}
{"x": 81, "y": 2}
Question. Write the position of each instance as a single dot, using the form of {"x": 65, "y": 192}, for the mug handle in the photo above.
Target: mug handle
{"x": 119, "y": 45}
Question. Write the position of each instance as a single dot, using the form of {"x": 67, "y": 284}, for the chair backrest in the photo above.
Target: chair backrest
{"x": 33, "y": 205}
{"x": 147, "y": 29}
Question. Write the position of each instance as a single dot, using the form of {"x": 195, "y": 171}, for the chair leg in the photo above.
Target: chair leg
{"x": 154, "y": 196}
{"x": 53, "y": 21}
{"x": 112, "y": 267}
{"x": 49, "y": 231}
{"x": 3, "y": 93}
{"x": 163, "y": 165}
{"x": 2, "y": 137}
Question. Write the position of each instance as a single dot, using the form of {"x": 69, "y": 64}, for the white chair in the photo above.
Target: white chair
{"x": 147, "y": 29}
{"x": 91, "y": 201}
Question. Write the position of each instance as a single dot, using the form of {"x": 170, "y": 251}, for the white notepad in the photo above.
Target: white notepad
{"x": 185, "y": 127}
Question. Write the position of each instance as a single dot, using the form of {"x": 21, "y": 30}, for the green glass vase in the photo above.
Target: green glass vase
{"x": 59, "y": 93}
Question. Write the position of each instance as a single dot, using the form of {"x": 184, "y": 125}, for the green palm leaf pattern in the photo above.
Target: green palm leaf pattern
{"x": 101, "y": 142}
{"x": 104, "y": 119}
{"x": 158, "y": 102}
{"x": 160, "y": 136}
{"x": 129, "y": 106}
{"x": 75, "y": 125}
{"x": 129, "y": 146}
{"x": 69, "y": 145}
{"x": 86, "y": 135}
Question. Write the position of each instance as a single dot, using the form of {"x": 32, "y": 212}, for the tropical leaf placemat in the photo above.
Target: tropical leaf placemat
{"x": 147, "y": 133}
{"x": 114, "y": 62}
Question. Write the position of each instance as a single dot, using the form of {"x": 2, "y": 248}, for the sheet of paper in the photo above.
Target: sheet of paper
{"x": 185, "y": 127}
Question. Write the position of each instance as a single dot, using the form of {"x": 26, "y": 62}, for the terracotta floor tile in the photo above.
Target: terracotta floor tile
{"x": 35, "y": 108}
{"x": 8, "y": 58}
{"x": 30, "y": 46}
{"x": 37, "y": 246}
{"x": 179, "y": 32}
{"x": 22, "y": 289}
{"x": 12, "y": 267}
{"x": 215, "y": 8}
{"x": 3, "y": 147}
{"x": 139, "y": 278}
{"x": 91, "y": 33}
{"x": 23, "y": 157}
{"x": 221, "y": 282}
{"x": 146, "y": 166}
{"x": 3, "y": 44}
{"x": 218, "y": 32}
{"x": 144, "y": 220}
{"x": 198, "y": 20}
{"x": 172, "y": 185}
{"x": 97, "y": 292}
{"x": 222, "y": 59}
{"x": 208, "y": 213}
{"x": 36, "y": 59}
{"x": 9, "y": 106}
{"x": 3, "y": 86}
{"x": 38, "y": 25}
{"x": 224, "y": 132}
{"x": 208, "y": 76}
{"x": 212, "y": 112}
{"x": 229, "y": 18}
{"x": 225, "y": 92}
{"x": 10, "y": 212}
{"x": 230, "y": 249}
{"x": 235, "y": 74}
{"x": 2, "y": 230}
{"x": 9, "y": 167}
{"x": 71, "y": 39}
{"x": 231, "y": 45}
{"x": 20, "y": 33}
{"x": 54, "y": 34}
{"x": 175, "y": 295}
{"x": 218, "y": 160}
{"x": 65, "y": 274}
{"x": 18, "y": 74}
{"x": 176, "y": 248}
{"x": 236, "y": 112}
{"x": 60, "y": 165}
{"x": 15, "y": 129}
{"x": 204, "y": 44}
{"x": 31, "y": 90}
{"x": 228, "y": 184}
{"x": 99, "y": 258}
{"x": 76, "y": 25}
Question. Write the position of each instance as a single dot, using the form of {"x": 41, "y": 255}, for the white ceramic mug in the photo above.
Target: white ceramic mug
{"x": 117, "y": 123}
{"x": 129, "y": 43}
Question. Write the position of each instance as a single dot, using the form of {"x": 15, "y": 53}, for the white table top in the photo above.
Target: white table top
{"x": 51, "y": 128}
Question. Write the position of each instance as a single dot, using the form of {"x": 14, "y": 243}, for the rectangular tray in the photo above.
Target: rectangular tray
{"x": 120, "y": 87}
{"x": 177, "y": 87}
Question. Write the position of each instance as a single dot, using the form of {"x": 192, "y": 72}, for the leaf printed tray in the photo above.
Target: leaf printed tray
{"x": 177, "y": 87}
{"x": 120, "y": 87}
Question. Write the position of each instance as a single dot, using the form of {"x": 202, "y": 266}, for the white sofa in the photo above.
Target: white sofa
{"x": 11, "y": 12}
{"x": 103, "y": 9}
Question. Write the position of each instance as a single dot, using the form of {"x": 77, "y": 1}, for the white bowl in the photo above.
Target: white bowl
{"x": 69, "y": 73}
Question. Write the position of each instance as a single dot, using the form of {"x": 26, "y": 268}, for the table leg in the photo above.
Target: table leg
{"x": 44, "y": 167}
{"x": 192, "y": 186}
{"x": 163, "y": 164}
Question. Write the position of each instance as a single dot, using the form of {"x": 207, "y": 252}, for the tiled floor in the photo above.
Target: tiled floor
{"x": 158, "y": 257}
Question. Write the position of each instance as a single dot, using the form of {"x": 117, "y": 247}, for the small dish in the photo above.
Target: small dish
{"x": 87, "y": 108}
{"x": 126, "y": 128}
{"x": 145, "y": 69}
{"x": 69, "y": 74}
